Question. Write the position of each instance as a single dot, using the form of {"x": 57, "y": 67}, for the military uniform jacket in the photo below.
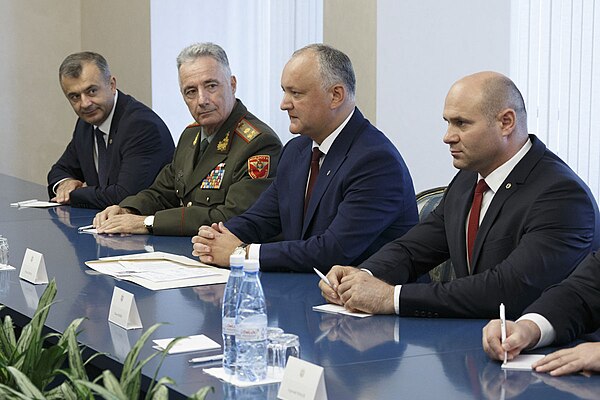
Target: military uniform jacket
{"x": 235, "y": 169}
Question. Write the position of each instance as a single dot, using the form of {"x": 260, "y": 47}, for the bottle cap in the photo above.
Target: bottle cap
{"x": 251, "y": 265}
{"x": 236, "y": 260}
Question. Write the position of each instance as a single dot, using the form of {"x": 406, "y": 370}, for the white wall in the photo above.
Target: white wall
{"x": 36, "y": 119}
{"x": 422, "y": 48}
{"x": 257, "y": 50}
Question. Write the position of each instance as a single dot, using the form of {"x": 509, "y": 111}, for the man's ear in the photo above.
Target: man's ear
{"x": 508, "y": 121}
{"x": 338, "y": 95}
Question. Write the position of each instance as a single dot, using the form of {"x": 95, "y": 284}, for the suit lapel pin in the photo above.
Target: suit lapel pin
{"x": 508, "y": 185}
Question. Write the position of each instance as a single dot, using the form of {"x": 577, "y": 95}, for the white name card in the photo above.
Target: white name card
{"x": 123, "y": 310}
{"x": 33, "y": 268}
{"x": 302, "y": 381}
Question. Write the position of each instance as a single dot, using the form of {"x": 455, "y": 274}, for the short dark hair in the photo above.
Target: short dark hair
{"x": 334, "y": 65}
{"x": 206, "y": 49}
{"x": 72, "y": 65}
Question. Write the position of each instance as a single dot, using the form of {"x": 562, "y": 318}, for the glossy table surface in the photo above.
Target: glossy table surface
{"x": 381, "y": 357}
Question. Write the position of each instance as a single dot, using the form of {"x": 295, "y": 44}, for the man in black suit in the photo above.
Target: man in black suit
{"x": 536, "y": 220}
{"x": 119, "y": 145}
{"x": 563, "y": 313}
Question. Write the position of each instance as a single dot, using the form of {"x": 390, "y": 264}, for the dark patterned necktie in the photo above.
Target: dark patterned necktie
{"x": 102, "y": 157}
{"x": 314, "y": 173}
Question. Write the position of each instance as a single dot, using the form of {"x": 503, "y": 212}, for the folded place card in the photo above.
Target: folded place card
{"x": 335, "y": 309}
{"x": 523, "y": 362}
{"x": 123, "y": 310}
{"x": 302, "y": 381}
{"x": 186, "y": 344}
{"x": 33, "y": 268}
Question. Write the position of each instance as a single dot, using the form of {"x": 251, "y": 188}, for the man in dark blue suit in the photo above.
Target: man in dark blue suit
{"x": 119, "y": 145}
{"x": 342, "y": 189}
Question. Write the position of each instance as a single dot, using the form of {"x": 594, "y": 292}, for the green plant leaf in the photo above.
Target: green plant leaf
{"x": 99, "y": 389}
{"x": 27, "y": 388}
{"x": 74, "y": 351}
{"x": 8, "y": 341}
{"x": 7, "y": 392}
{"x": 160, "y": 393}
{"x": 201, "y": 394}
{"x": 134, "y": 353}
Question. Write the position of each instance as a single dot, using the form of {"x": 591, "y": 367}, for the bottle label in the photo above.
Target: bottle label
{"x": 229, "y": 326}
{"x": 251, "y": 332}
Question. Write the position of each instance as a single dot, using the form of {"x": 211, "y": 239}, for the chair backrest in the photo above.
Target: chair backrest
{"x": 427, "y": 201}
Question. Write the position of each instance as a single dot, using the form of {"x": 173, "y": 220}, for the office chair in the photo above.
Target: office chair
{"x": 427, "y": 201}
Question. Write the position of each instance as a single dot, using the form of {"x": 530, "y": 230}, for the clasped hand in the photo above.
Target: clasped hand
{"x": 357, "y": 290}
{"x": 214, "y": 244}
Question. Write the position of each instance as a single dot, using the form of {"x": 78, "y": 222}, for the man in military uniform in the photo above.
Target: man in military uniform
{"x": 222, "y": 163}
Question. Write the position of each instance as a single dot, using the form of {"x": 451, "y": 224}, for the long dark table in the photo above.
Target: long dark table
{"x": 381, "y": 357}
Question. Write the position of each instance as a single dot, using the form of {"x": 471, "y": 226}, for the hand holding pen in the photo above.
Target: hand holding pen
{"x": 503, "y": 328}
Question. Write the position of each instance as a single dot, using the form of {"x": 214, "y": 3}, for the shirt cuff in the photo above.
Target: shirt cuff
{"x": 254, "y": 251}
{"x": 367, "y": 271}
{"x": 397, "y": 289}
{"x": 58, "y": 183}
{"x": 547, "y": 332}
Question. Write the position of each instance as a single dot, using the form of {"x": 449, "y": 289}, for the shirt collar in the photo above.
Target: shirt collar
{"x": 498, "y": 176}
{"x": 328, "y": 142}
{"x": 105, "y": 126}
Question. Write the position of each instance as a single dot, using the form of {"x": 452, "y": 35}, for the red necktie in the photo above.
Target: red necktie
{"x": 473, "y": 225}
{"x": 314, "y": 173}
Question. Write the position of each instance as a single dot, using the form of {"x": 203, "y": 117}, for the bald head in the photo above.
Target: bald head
{"x": 496, "y": 93}
{"x": 487, "y": 122}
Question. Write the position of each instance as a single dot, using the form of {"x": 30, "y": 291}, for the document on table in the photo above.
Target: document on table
{"x": 158, "y": 270}
{"x": 335, "y": 309}
{"x": 187, "y": 344}
{"x": 34, "y": 203}
{"x": 523, "y": 362}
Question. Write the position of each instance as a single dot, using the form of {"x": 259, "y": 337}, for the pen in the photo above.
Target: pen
{"x": 82, "y": 228}
{"x": 503, "y": 328}
{"x": 322, "y": 276}
{"x": 215, "y": 357}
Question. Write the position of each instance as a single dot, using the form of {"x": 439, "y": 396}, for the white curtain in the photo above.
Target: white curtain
{"x": 555, "y": 61}
{"x": 258, "y": 35}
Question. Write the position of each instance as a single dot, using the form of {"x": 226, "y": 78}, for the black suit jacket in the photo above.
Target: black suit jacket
{"x": 573, "y": 306}
{"x": 139, "y": 145}
{"x": 540, "y": 224}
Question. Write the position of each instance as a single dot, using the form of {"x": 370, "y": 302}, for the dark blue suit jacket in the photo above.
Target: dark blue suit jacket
{"x": 363, "y": 198}
{"x": 540, "y": 224}
{"x": 140, "y": 144}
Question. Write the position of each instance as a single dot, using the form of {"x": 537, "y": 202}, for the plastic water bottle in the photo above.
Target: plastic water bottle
{"x": 251, "y": 327}
{"x": 3, "y": 250}
{"x": 230, "y": 298}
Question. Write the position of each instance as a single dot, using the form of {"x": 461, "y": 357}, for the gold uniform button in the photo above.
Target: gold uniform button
{"x": 189, "y": 204}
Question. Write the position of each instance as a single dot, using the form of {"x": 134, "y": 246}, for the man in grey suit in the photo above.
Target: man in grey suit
{"x": 528, "y": 224}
